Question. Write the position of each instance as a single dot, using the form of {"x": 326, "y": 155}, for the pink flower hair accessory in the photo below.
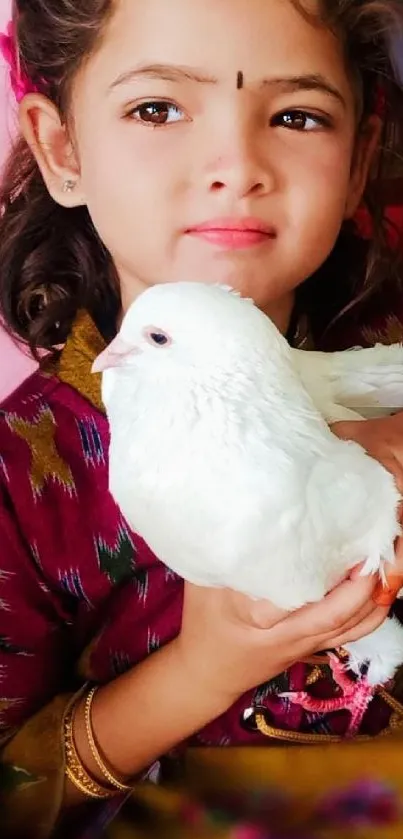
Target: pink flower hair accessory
{"x": 20, "y": 83}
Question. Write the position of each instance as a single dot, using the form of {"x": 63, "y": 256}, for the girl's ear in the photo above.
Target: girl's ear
{"x": 52, "y": 148}
{"x": 367, "y": 145}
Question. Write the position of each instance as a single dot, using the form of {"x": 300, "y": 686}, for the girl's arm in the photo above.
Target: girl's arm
{"x": 143, "y": 715}
{"x": 227, "y": 646}
{"x": 139, "y": 716}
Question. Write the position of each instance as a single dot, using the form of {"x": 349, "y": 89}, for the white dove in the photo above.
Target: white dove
{"x": 222, "y": 460}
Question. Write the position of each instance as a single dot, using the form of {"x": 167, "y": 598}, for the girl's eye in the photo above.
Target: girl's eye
{"x": 300, "y": 121}
{"x": 156, "y": 113}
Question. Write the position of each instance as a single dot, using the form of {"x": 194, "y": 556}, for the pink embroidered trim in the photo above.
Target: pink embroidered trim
{"x": 20, "y": 83}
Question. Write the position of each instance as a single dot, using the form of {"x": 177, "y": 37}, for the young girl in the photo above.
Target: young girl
{"x": 156, "y": 140}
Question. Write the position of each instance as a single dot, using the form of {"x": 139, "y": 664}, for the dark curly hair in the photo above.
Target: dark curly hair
{"x": 52, "y": 262}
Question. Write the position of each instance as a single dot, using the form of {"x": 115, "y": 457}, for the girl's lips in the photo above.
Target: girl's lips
{"x": 234, "y": 234}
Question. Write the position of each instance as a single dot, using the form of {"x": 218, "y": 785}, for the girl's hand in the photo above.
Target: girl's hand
{"x": 230, "y": 644}
{"x": 383, "y": 440}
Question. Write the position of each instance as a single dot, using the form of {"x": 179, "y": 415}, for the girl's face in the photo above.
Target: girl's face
{"x": 237, "y": 115}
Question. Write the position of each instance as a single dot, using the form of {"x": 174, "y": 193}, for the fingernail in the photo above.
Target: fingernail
{"x": 386, "y": 593}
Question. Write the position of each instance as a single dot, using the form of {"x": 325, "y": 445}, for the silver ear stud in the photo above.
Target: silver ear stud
{"x": 69, "y": 186}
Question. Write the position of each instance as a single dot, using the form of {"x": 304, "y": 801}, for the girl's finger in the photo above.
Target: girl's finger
{"x": 372, "y": 622}
{"x": 329, "y": 617}
{"x": 387, "y": 590}
{"x": 360, "y": 616}
{"x": 352, "y": 627}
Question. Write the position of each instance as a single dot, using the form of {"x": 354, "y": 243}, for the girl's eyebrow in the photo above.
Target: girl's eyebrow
{"x": 293, "y": 84}
{"x": 165, "y": 72}
{"x": 180, "y": 73}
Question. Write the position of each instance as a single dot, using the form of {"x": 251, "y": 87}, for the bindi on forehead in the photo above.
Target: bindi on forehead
{"x": 239, "y": 80}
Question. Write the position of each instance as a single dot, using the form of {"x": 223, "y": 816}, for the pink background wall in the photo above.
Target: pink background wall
{"x": 14, "y": 364}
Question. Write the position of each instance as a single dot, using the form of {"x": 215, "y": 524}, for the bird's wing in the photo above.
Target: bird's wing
{"x": 354, "y": 383}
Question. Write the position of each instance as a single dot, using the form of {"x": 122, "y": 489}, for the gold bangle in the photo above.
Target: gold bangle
{"x": 117, "y": 785}
{"x": 75, "y": 771}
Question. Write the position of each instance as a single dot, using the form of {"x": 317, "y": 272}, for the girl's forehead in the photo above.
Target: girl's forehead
{"x": 221, "y": 36}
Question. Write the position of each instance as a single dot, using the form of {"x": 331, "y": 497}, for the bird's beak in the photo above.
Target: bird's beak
{"x": 115, "y": 355}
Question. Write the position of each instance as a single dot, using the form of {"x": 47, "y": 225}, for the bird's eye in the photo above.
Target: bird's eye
{"x": 157, "y": 337}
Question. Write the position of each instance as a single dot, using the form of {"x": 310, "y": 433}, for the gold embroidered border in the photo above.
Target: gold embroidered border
{"x": 395, "y": 723}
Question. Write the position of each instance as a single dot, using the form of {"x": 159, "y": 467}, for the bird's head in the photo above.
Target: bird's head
{"x": 188, "y": 322}
{"x": 188, "y": 330}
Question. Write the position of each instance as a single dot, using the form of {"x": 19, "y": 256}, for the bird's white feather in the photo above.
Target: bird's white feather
{"x": 221, "y": 457}
{"x": 368, "y": 381}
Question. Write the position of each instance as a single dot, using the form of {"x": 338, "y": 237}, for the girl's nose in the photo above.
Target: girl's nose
{"x": 243, "y": 168}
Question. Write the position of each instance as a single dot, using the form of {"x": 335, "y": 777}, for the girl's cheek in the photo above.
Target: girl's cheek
{"x": 143, "y": 145}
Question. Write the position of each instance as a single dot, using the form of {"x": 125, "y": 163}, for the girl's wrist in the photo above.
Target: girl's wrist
{"x": 146, "y": 712}
{"x": 205, "y": 687}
